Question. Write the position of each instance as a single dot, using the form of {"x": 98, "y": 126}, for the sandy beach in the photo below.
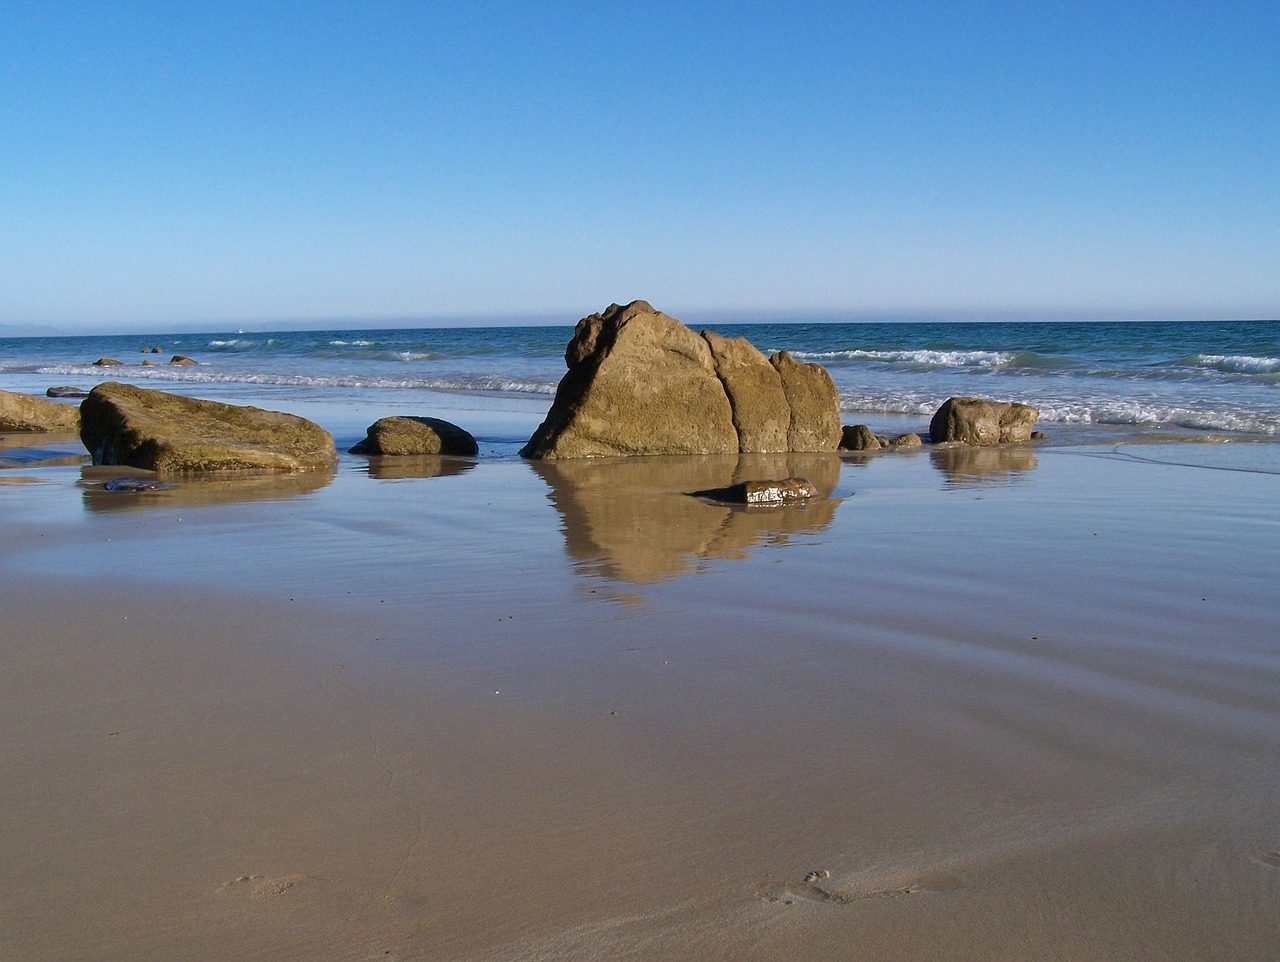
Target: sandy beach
{"x": 1015, "y": 706}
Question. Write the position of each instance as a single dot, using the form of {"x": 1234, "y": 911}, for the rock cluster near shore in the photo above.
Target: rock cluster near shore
{"x": 22, "y": 412}
{"x": 641, "y": 382}
{"x": 172, "y": 434}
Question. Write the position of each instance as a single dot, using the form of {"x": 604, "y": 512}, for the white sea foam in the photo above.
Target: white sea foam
{"x": 920, "y": 358}
{"x": 487, "y": 383}
{"x": 1237, "y": 363}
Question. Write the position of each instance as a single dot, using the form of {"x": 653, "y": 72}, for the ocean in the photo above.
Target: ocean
{"x": 1090, "y": 380}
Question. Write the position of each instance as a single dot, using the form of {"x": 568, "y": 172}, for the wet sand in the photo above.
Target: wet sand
{"x": 1020, "y": 705}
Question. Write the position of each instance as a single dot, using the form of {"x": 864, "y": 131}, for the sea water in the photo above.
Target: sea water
{"x": 1132, "y": 378}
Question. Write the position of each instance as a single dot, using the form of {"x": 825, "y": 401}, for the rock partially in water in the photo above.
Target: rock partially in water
{"x": 908, "y": 440}
{"x": 416, "y": 436}
{"x": 66, "y": 391}
{"x": 22, "y": 412}
{"x": 182, "y": 360}
{"x": 972, "y": 420}
{"x": 858, "y": 437}
{"x": 172, "y": 434}
{"x": 107, "y": 362}
{"x": 135, "y": 485}
{"x": 784, "y": 491}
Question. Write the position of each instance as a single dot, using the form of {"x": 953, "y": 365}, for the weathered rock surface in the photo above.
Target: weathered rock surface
{"x": 973, "y": 420}
{"x": 66, "y": 390}
{"x": 182, "y": 360}
{"x": 22, "y": 412}
{"x": 760, "y": 412}
{"x": 107, "y": 362}
{"x": 415, "y": 436}
{"x": 640, "y": 382}
{"x": 814, "y": 403}
{"x": 171, "y": 434}
{"x": 784, "y": 491}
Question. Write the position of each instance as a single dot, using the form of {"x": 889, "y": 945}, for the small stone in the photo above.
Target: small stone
{"x": 107, "y": 362}
{"x": 182, "y": 360}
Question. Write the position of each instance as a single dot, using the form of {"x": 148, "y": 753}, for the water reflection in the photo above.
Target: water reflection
{"x": 999, "y": 464}
{"x": 37, "y": 450}
{"x": 401, "y": 467}
{"x": 193, "y": 492}
{"x": 633, "y": 519}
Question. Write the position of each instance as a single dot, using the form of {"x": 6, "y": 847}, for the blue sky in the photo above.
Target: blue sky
{"x": 166, "y": 163}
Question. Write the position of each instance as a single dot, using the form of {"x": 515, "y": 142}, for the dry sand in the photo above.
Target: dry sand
{"x": 1018, "y": 708}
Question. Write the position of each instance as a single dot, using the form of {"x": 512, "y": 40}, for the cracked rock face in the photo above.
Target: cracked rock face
{"x": 641, "y": 382}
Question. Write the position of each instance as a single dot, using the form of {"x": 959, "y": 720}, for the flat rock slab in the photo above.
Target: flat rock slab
{"x": 22, "y": 412}
{"x": 415, "y": 436}
{"x": 172, "y": 434}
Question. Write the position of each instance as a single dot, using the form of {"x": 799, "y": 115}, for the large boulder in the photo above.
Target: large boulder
{"x": 172, "y": 434}
{"x": 640, "y": 382}
{"x": 22, "y": 412}
{"x": 814, "y": 403}
{"x": 416, "y": 436}
{"x": 972, "y": 420}
{"x": 760, "y": 412}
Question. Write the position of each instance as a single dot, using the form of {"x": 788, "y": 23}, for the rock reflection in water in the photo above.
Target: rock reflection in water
{"x": 402, "y": 467}
{"x": 193, "y": 492}
{"x": 633, "y": 519}
{"x": 999, "y": 464}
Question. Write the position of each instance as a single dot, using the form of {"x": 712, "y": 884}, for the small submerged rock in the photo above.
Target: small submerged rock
{"x": 182, "y": 360}
{"x": 66, "y": 391}
{"x": 785, "y": 491}
{"x": 107, "y": 362}
{"x": 135, "y": 485}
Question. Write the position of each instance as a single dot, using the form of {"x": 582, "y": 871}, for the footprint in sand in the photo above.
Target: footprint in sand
{"x": 257, "y": 887}
{"x": 1269, "y": 859}
{"x": 818, "y": 888}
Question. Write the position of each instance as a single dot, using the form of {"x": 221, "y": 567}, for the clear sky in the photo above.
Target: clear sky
{"x": 236, "y": 161}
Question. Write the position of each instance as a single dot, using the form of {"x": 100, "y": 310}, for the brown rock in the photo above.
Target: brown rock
{"x": 171, "y": 434}
{"x": 415, "y": 436}
{"x": 107, "y": 362}
{"x": 180, "y": 359}
{"x": 976, "y": 421}
{"x": 814, "y": 403}
{"x": 761, "y": 415}
{"x": 66, "y": 391}
{"x": 858, "y": 437}
{"x": 910, "y": 440}
{"x": 639, "y": 382}
{"x": 22, "y": 412}
{"x": 147, "y": 362}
